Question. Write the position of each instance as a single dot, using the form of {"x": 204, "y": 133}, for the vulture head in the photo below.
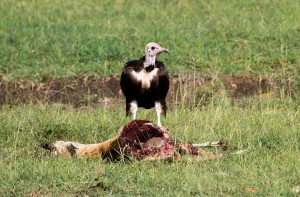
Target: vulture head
{"x": 153, "y": 49}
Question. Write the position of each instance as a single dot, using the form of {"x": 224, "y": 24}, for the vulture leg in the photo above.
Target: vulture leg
{"x": 127, "y": 108}
{"x": 133, "y": 108}
{"x": 158, "y": 109}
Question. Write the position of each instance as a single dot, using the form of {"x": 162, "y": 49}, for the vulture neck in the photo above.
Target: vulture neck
{"x": 149, "y": 60}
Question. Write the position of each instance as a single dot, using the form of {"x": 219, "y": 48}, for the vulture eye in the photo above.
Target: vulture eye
{"x": 152, "y": 48}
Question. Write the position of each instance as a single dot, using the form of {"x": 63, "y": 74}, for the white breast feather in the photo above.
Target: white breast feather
{"x": 145, "y": 77}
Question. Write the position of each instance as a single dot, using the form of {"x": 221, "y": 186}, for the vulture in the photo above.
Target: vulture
{"x": 145, "y": 82}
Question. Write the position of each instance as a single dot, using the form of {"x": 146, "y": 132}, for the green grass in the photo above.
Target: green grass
{"x": 270, "y": 167}
{"x": 65, "y": 38}
{"x": 56, "y": 38}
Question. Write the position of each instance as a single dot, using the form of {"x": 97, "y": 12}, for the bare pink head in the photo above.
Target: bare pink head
{"x": 153, "y": 49}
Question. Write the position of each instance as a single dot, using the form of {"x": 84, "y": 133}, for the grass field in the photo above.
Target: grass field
{"x": 52, "y": 39}
{"x": 65, "y": 38}
{"x": 270, "y": 167}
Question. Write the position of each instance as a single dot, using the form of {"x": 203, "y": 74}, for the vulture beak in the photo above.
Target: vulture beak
{"x": 163, "y": 50}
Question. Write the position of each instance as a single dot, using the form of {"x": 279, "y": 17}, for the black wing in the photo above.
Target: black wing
{"x": 128, "y": 82}
{"x": 162, "y": 86}
{"x": 163, "y": 81}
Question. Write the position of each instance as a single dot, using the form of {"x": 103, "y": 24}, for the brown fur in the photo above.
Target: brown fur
{"x": 106, "y": 149}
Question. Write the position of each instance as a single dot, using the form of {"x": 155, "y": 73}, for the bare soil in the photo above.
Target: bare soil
{"x": 95, "y": 90}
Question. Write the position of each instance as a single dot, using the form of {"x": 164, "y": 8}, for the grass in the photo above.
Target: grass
{"x": 270, "y": 167}
{"x": 66, "y": 38}
{"x": 42, "y": 39}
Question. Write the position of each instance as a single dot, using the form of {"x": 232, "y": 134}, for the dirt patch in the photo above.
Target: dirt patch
{"x": 94, "y": 90}
{"x": 77, "y": 91}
